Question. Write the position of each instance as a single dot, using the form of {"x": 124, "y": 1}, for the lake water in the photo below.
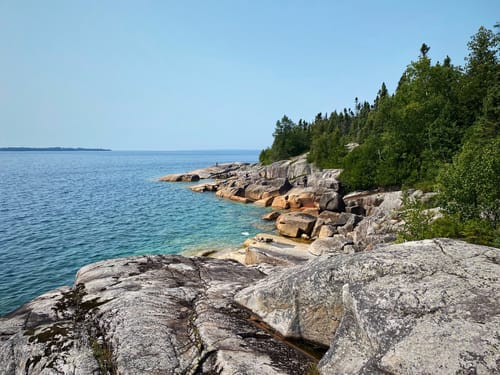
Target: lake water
{"x": 62, "y": 210}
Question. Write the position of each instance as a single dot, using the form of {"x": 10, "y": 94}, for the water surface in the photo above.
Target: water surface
{"x": 62, "y": 210}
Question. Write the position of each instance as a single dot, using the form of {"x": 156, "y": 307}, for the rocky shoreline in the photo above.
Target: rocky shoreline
{"x": 329, "y": 295}
{"x": 307, "y": 204}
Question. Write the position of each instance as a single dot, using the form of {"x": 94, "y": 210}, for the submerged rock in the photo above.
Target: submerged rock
{"x": 145, "y": 315}
{"x": 427, "y": 307}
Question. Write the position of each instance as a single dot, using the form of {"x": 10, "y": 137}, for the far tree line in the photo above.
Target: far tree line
{"x": 437, "y": 131}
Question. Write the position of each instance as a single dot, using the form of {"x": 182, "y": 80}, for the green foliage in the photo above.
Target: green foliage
{"x": 416, "y": 220}
{"x": 470, "y": 185}
{"x": 360, "y": 166}
{"x": 265, "y": 156}
{"x": 438, "y": 129}
{"x": 290, "y": 140}
{"x": 481, "y": 232}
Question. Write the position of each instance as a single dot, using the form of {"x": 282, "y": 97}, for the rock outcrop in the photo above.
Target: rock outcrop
{"x": 295, "y": 224}
{"x": 428, "y": 307}
{"x": 145, "y": 315}
{"x": 180, "y": 177}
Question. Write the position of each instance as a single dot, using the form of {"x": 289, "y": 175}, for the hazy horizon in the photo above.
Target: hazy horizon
{"x": 164, "y": 75}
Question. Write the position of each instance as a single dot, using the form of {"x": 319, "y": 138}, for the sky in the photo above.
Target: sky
{"x": 208, "y": 74}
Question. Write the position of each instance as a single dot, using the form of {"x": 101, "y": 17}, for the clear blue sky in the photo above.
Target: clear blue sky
{"x": 170, "y": 75}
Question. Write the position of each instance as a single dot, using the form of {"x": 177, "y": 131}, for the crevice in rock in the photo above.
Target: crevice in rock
{"x": 314, "y": 351}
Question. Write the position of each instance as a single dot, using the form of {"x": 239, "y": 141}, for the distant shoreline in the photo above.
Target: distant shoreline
{"x": 51, "y": 149}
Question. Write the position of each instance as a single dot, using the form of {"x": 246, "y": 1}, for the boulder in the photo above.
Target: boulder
{"x": 240, "y": 199}
{"x": 292, "y": 168}
{"x": 357, "y": 210}
{"x": 280, "y": 203}
{"x": 381, "y": 223}
{"x": 299, "y": 198}
{"x": 331, "y": 201}
{"x": 181, "y": 177}
{"x": 326, "y": 179}
{"x": 146, "y": 315}
{"x": 294, "y": 224}
{"x": 260, "y": 188}
{"x": 204, "y": 187}
{"x": 271, "y": 216}
{"x": 331, "y": 245}
{"x": 325, "y": 217}
{"x": 327, "y": 230}
{"x": 427, "y": 307}
{"x": 229, "y": 192}
{"x": 265, "y": 202}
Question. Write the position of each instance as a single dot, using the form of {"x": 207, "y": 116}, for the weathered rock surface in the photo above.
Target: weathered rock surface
{"x": 180, "y": 177}
{"x": 331, "y": 201}
{"x": 204, "y": 187}
{"x": 145, "y": 315}
{"x": 295, "y": 224}
{"x": 271, "y": 216}
{"x": 275, "y": 250}
{"x": 428, "y": 307}
{"x": 332, "y": 244}
{"x": 280, "y": 203}
{"x": 381, "y": 223}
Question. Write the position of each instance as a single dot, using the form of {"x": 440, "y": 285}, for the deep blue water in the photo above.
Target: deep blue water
{"x": 62, "y": 210}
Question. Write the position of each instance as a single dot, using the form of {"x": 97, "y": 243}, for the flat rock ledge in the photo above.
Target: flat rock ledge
{"x": 146, "y": 315}
{"x": 426, "y": 307}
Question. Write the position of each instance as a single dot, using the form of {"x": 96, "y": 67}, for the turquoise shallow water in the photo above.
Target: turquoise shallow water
{"x": 62, "y": 210}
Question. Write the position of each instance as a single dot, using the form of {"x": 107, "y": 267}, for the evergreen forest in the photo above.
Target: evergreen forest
{"x": 437, "y": 132}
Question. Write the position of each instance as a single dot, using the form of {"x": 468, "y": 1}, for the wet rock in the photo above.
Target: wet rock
{"x": 427, "y": 307}
{"x": 294, "y": 224}
{"x": 144, "y": 315}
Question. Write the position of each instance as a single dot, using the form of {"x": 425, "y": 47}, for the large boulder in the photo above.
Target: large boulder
{"x": 280, "y": 203}
{"x": 325, "y": 180}
{"x": 292, "y": 168}
{"x": 295, "y": 224}
{"x": 145, "y": 315}
{"x": 382, "y": 222}
{"x": 259, "y": 189}
{"x": 428, "y": 307}
{"x": 331, "y": 201}
{"x": 331, "y": 245}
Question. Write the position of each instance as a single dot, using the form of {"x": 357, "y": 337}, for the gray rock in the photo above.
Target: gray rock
{"x": 294, "y": 224}
{"x": 292, "y": 168}
{"x": 357, "y": 210}
{"x": 428, "y": 307}
{"x": 271, "y": 216}
{"x": 325, "y": 217}
{"x": 331, "y": 201}
{"x": 145, "y": 315}
{"x": 330, "y": 245}
{"x": 327, "y": 230}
